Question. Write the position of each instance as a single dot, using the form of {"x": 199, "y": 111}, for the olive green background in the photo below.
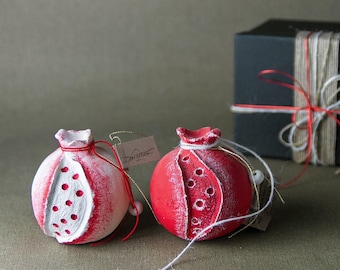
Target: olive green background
{"x": 144, "y": 66}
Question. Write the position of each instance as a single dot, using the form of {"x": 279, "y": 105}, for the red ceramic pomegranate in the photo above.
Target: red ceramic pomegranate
{"x": 197, "y": 184}
{"x": 78, "y": 197}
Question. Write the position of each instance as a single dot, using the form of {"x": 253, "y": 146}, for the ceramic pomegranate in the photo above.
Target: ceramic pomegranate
{"x": 78, "y": 197}
{"x": 198, "y": 184}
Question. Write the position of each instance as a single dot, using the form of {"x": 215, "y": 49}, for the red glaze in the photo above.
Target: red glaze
{"x": 192, "y": 189}
{"x": 78, "y": 197}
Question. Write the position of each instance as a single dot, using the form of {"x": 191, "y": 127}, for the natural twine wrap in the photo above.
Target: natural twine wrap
{"x": 312, "y": 69}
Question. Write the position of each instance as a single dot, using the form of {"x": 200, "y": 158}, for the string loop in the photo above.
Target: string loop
{"x": 191, "y": 146}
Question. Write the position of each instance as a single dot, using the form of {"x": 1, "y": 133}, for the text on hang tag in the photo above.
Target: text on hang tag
{"x": 137, "y": 152}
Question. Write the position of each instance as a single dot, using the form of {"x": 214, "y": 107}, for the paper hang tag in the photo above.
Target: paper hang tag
{"x": 262, "y": 221}
{"x": 137, "y": 152}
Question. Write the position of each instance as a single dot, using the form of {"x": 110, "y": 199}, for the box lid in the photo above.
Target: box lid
{"x": 289, "y": 28}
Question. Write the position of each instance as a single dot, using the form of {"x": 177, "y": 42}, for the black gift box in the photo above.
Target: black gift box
{"x": 268, "y": 46}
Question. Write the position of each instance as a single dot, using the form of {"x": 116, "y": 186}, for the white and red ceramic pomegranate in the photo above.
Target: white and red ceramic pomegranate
{"x": 196, "y": 185}
{"x": 78, "y": 197}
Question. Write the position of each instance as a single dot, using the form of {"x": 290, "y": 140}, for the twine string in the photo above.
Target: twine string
{"x": 191, "y": 146}
{"x": 316, "y": 60}
{"x": 226, "y": 144}
{"x": 126, "y": 183}
{"x": 113, "y": 136}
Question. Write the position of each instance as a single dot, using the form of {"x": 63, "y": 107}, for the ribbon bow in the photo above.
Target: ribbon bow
{"x": 306, "y": 118}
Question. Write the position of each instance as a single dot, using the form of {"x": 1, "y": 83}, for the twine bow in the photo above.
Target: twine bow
{"x": 312, "y": 115}
{"x": 316, "y": 106}
{"x": 307, "y": 117}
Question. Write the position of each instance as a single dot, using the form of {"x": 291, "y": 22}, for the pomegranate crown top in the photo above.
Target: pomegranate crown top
{"x": 74, "y": 138}
{"x": 202, "y": 136}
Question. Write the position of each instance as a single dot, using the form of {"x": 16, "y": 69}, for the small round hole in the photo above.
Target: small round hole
{"x": 74, "y": 217}
{"x": 199, "y": 204}
{"x": 68, "y": 203}
{"x": 199, "y": 171}
{"x": 191, "y": 183}
{"x": 79, "y": 193}
{"x": 195, "y": 221}
{"x": 64, "y": 221}
{"x": 64, "y": 186}
{"x": 55, "y": 208}
{"x": 196, "y": 230}
{"x": 67, "y": 231}
{"x": 75, "y": 176}
{"x": 186, "y": 158}
{"x": 55, "y": 225}
{"x": 64, "y": 169}
{"x": 210, "y": 191}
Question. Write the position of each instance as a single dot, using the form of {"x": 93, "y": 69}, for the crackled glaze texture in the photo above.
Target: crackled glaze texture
{"x": 78, "y": 197}
{"x": 192, "y": 188}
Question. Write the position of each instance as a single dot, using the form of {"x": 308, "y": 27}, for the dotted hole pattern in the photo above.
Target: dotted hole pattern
{"x": 55, "y": 208}
{"x": 200, "y": 203}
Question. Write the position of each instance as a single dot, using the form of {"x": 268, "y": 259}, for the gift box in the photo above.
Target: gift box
{"x": 273, "y": 64}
